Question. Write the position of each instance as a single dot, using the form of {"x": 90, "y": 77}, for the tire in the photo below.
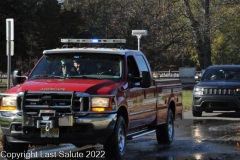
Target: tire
{"x": 165, "y": 132}
{"x": 13, "y": 147}
{"x": 196, "y": 113}
{"x": 116, "y": 144}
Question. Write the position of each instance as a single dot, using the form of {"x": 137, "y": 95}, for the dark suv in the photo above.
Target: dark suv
{"x": 218, "y": 90}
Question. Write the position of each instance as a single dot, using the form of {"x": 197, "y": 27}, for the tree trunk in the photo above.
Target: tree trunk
{"x": 207, "y": 45}
{"x": 201, "y": 39}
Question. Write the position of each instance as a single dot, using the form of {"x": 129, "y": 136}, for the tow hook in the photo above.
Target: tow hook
{"x": 47, "y": 128}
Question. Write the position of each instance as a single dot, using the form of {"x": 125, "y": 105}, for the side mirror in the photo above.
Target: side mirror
{"x": 146, "y": 79}
{"x": 17, "y": 77}
{"x": 130, "y": 78}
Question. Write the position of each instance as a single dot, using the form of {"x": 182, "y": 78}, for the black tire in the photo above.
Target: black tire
{"x": 165, "y": 132}
{"x": 116, "y": 144}
{"x": 13, "y": 147}
{"x": 196, "y": 113}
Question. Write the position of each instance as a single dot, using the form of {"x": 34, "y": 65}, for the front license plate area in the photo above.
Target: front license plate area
{"x": 52, "y": 133}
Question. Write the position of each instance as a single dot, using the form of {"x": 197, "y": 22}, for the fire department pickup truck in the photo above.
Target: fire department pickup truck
{"x": 88, "y": 95}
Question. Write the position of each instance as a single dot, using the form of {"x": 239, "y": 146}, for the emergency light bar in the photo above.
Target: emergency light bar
{"x": 93, "y": 40}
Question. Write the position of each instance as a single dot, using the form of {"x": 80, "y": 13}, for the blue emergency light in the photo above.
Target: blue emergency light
{"x": 93, "y": 40}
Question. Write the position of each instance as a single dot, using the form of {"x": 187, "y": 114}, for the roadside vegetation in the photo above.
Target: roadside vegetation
{"x": 3, "y": 82}
{"x": 187, "y": 100}
{"x": 184, "y": 33}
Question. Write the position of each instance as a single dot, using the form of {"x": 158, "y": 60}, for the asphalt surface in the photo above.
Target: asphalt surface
{"x": 214, "y": 136}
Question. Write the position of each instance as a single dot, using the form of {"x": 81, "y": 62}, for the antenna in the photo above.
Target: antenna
{"x": 139, "y": 34}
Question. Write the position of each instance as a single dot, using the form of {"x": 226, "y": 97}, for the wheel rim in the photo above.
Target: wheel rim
{"x": 170, "y": 128}
{"x": 121, "y": 139}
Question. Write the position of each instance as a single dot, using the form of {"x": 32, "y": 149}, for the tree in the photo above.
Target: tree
{"x": 226, "y": 39}
{"x": 22, "y": 13}
{"x": 201, "y": 31}
{"x": 192, "y": 33}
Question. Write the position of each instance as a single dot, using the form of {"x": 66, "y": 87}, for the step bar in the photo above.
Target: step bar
{"x": 139, "y": 133}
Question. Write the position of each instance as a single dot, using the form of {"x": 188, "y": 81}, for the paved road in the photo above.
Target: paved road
{"x": 214, "y": 136}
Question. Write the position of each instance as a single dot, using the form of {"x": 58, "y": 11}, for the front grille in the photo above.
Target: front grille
{"x": 63, "y": 102}
{"x": 219, "y": 91}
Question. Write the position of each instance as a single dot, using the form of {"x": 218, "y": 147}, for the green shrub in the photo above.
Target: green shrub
{"x": 187, "y": 100}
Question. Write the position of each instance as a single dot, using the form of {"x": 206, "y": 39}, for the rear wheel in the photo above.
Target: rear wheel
{"x": 165, "y": 132}
{"x": 115, "y": 145}
{"x": 8, "y": 147}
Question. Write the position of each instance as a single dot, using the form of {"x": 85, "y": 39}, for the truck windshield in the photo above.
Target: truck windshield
{"x": 79, "y": 65}
{"x": 222, "y": 74}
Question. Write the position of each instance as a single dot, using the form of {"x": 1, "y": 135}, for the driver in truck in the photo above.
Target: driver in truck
{"x": 115, "y": 68}
{"x": 78, "y": 69}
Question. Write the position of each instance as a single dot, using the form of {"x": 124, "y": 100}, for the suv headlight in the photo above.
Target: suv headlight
{"x": 100, "y": 104}
{"x": 198, "y": 91}
{"x": 8, "y": 103}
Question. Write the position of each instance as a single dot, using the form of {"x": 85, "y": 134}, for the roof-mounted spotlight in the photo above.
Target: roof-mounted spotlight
{"x": 139, "y": 34}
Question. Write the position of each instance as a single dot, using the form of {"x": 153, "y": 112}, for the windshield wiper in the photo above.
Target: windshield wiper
{"x": 47, "y": 76}
{"x": 86, "y": 77}
{"x": 90, "y": 77}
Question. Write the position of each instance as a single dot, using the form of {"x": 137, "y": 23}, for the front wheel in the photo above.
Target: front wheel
{"x": 165, "y": 132}
{"x": 15, "y": 148}
{"x": 115, "y": 145}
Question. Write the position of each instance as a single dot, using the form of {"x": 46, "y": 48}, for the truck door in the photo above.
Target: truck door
{"x": 149, "y": 100}
{"x": 135, "y": 97}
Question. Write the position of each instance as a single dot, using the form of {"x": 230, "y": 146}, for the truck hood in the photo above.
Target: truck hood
{"x": 79, "y": 85}
{"x": 222, "y": 84}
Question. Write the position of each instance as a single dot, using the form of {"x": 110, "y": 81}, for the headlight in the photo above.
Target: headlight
{"x": 9, "y": 103}
{"x": 198, "y": 90}
{"x": 100, "y": 104}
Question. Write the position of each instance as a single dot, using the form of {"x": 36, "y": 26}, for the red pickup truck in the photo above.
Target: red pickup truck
{"x": 83, "y": 96}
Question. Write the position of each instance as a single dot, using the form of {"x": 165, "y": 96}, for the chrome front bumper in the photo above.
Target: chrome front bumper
{"x": 92, "y": 128}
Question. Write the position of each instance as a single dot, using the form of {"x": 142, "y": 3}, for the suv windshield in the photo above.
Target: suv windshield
{"x": 230, "y": 74}
{"x": 79, "y": 65}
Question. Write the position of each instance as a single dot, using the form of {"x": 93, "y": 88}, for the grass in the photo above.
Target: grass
{"x": 3, "y": 81}
{"x": 187, "y": 100}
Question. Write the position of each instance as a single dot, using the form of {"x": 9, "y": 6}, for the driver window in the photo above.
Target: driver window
{"x": 132, "y": 67}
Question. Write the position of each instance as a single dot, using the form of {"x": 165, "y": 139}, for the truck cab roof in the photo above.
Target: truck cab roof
{"x": 91, "y": 50}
